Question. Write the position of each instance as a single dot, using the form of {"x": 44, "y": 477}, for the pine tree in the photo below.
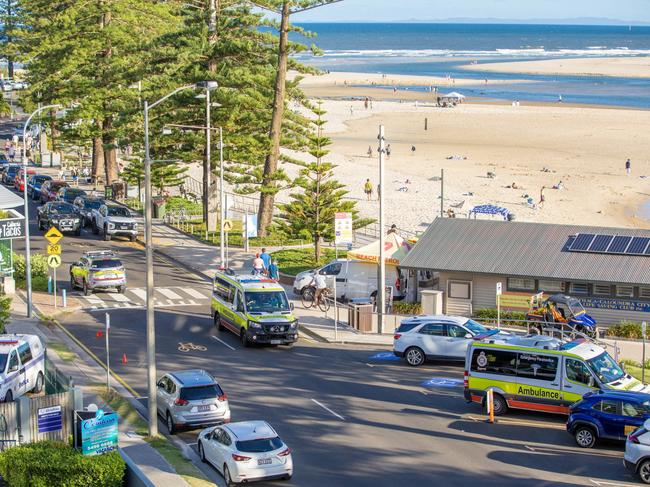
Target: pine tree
{"x": 312, "y": 208}
{"x": 164, "y": 174}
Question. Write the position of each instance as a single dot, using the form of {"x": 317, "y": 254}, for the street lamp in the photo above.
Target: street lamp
{"x": 28, "y": 264}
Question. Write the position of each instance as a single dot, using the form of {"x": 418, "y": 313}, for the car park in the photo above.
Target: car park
{"x": 637, "y": 452}
{"x": 424, "y": 338}
{"x": 61, "y": 215}
{"x": 9, "y": 174}
{"x": 69, "y": 194}
{"x": 191, "y": 398}
{"x": 86, "y": 205}
{"x": 255, "y": 308}
{"x": 19, "y": 180}
{"x": 113, "y": 220}
{"x": 246, "y": 451}
{"x": 50, "y": 190}
{"x": 22, "y": 365}
{"x": 98, "y": 269}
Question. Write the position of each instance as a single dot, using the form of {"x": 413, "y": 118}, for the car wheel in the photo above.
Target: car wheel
{"x": 202, "y": 453}
{"x": 86, "y": 289}
{"x": 534, "y": 331}
{"x": 500, "y": 405}
{"x": 40, "y": 380}
{"x": 77, "y": 232}
{"x": 244, "y": 339}
{"x": 585, "y": 436}
{"x": 73, "y": 284}
{"x": 9, "y": 397}
{"x": 217, "y": 322}
{"x": 171, "y": 427}
{"x": 107, "y": 237}
{"x": 226, "y": 476}
{"x": 95, "y": 228}
{"x": 287, "y": 477}
{"x": 415, "y": 356}
{"x": 121, "y": 289}
{"x": 644, "y": 472}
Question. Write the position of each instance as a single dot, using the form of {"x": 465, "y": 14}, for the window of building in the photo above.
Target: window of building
{"x": 460, "y": 289}
{"x": 579, "y": 288}
{"x": 625, "y": 291}
{"x": 521, "y": 284}
{"x": 494, "y": 362}
{"x": 550, "y": 286}
{"x": 538, "y": 367}
{"x": 602, "y": 290}
{"x": 644, "y": 292}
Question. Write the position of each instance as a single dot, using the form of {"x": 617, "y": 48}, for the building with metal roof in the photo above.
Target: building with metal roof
{"x": 607, "y": 269}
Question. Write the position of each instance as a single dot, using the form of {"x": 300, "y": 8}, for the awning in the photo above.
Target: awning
{"x": 489, "y": 210}
{"x": 395, "y": 249}
{"x": 9, "y": 199}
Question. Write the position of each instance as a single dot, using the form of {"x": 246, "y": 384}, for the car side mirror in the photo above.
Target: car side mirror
{"x": 160, "y": 384}
{"x": 468, "y": 335}
{"x": 591, "y": 381}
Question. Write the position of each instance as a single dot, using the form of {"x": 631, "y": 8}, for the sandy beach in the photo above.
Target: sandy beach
{"x": 531, "y": 146}
{"x": 628, "y": 67}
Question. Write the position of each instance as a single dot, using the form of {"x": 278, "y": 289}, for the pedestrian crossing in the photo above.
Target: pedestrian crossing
{"x": 137, "y": 298}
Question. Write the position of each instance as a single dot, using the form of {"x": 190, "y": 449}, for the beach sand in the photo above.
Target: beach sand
{"x": 629, "y": 67}
{"x": 585, "y": 148}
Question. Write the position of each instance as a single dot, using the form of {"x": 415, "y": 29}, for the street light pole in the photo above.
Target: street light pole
{"x": 381, "y": 280}
{"x": 222, "y": 209}
{"x": 207, "y": 167}
{"x": 28, "y": 257}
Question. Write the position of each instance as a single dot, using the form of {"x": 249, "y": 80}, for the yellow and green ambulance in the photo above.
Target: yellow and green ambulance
{"x": 540, "y": 373}
{"x": 255, "y": 308}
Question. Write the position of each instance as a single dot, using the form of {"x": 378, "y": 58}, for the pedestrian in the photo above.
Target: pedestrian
{"x": 351, "y": 111}
{"x": 371, "y": 104}
{"x": 367, "y": 188}
{"x": 393, "y": 229}
{"x": 258, "y": 266}
{"x": 266, "y": 258}
{"x": 274, "y": 270}
{"x": 366, "y": 102}
{"x": 369, "y": 151}
{"x": 388, "y": 151}
{"x": 628, "y": 167}
{"x": 542, "y": 199}
{"x": 412, "y": 150}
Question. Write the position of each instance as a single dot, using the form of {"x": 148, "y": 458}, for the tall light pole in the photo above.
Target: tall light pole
{"x": 28, "y": 263}
{"x": 222, "y": 202}
{"x": 381, "y": 278}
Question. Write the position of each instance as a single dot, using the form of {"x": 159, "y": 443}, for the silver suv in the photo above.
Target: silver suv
{"x": 191, "y": 398}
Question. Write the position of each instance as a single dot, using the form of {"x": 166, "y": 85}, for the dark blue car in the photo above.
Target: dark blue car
{"x": 607, "y": 414}
{"x": 34, "y": 185}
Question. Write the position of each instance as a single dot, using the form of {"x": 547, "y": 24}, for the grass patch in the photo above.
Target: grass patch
{"x": 293, "y": 261}
{"x": 123, "y": 407}
{"x": 63, "y": 351}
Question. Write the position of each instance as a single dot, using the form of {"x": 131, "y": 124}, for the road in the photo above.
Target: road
{"x": 351, "y": 418}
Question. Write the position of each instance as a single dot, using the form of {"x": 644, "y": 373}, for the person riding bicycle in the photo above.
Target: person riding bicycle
{"x": 319, "y": 282}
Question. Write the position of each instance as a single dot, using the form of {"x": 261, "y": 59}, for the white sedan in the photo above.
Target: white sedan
{"x": 246, "y": 451}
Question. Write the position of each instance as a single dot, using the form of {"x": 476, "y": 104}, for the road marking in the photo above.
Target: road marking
{"x": 140, "y": 293}
{"x": 169, "y": 293}
{"x": 329, "y": 410}
{"x": 529, "y": 448}
{"x": 194, "y": 293}
{"x": 94, "y": 300}
{"x": 192, "y": 444}
{"x": 369, "y": 365}
{"x": 120, "y": 297}
{"x": 223, "y": 343}
{"x": 602, "y": 482}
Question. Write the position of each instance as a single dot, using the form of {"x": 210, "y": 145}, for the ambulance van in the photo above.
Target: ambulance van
{"x": 22, "y": 366}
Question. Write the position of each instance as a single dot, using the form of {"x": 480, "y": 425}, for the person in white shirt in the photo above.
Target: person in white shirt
{"x": 319, "y": 282}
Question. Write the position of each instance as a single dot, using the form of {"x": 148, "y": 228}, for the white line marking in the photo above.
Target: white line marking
{"x": 194, "y": 293}
{"x": 168, "y": 293}
{"x": 120, "y": 297}
{"x": 192, "y": 444}
{"x": 93, "y": 299}
{"x": 140, "y": 293}
{"x": 223, "y": 343}
{"x": 529, "y": 448}
{"x": 602, "y": 482}
{"x": 329, "y": 410}
{"x": 371, "y": 366}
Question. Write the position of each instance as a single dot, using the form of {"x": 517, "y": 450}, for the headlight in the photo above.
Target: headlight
{"x": 294, "y": 325}
{"x": 111, "y": 225}
{"x": 253, "y": 324}
{"x": 135, "y": 226}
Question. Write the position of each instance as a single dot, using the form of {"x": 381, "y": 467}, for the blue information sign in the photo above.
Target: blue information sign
{"x": 99, "y": 434}
{"x": 50, "y": 419}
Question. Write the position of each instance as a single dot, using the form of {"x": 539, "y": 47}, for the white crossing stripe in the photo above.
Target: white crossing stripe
{"x": 137, "y": 297}
{"x": 168, "y": 293}
{"x": 94, "y": 300}
{"x": 194, "y": 293}
{"x": 120, "y": 297}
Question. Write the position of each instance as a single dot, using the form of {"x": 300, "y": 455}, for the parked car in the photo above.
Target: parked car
{"x": 61, "y": 215}
{"x": 34, "y": 184}
{"x": 69, "y": 194}
{"x": 3, "y": 160}
{"x": 9, "y": 174}
{"x": 98, "y": 269}
{"x": 50, "y": 190}
{"x": 19, "y": 180}
{"x": 607, "y": 414}
{"x": 191, "y": 398}
{"x": 112, "y": 220}
{"x": 246, "y": 451}
{"x": 435, "y": 337}
{"x": 86, "y": 205}
{"x": 22, "y": 365}
{"x": 637, "y": 452}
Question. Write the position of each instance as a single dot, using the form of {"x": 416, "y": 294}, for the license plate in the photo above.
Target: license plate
{"x": 264, "y": 461}
{"x": 276, "y": 342}
{"x": 204, "y": 408}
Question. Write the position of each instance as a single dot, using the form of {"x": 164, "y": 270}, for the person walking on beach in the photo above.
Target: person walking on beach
{"x": 388, "y": 151}
{"x": 369, "y": 151}
{"x": 541, "y": 197}
{"x": 366, "y": 102}
{"x": 351, "y": 111}
{"x": 628, "y": 167}
{"x": 367, "y": 188}
{"x": 412, "y": 150}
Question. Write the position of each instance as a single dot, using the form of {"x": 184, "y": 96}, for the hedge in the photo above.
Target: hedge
{"x": 491, "y": 314}
{"x": 406, "y": 308}
{"x": 39, "y": 266}
{"x": 49, "y": 463}
{"x": 625, "y": 329}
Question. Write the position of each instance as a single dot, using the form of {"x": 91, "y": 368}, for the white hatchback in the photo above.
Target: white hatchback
{"x": 246, "y": 451}
{"x": 637, "y": 452}
{"x": 435, "y": 337}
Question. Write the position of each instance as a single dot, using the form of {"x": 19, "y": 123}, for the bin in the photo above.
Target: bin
{"x": 159, "y": 208}
{"x": 360, "y": 317}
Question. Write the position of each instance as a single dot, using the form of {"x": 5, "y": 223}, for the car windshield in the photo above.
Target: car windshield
{"x": 93, "y": 204}
{"x": 605, "y": 368}
{"x": 12, "y": 170}
{"x": 199, "y": 393}
{"x": 62, "y": 208}
{"x": 259, "y": 446}
{"x": 3, "y": 361}
{"x": 118, "y": 211}
{"x": 40, "y": 179}
{"x": 475, "y": 327}
{"x": 266, "y": 301}
{"x": 106, "y": 264}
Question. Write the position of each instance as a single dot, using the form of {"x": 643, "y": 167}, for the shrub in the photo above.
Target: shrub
{"x": 50, "y": 463}
{"x": 406, "y": 308}
{"x": 625, "y": 329}
{"x": 491, "y": 314}
{"x": 5, "y": 312}
{"x": 39, "y": 266}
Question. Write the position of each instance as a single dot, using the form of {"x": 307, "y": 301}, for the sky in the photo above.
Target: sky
{"x": 405, "y": 10}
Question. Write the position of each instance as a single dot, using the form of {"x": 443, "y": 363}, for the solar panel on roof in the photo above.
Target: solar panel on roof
{"x": 638, "y": 245}
{"x": 582, "y": 241}
{"x": 600, "y": 243}
{"x": 619, "y": 244}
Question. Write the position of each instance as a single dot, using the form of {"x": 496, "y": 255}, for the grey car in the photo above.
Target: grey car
{"x": 86, "y": 205}
{"x": 191, "y": 398}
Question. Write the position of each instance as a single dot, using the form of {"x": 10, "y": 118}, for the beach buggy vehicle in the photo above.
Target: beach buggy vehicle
{"x": 559, "y": 310}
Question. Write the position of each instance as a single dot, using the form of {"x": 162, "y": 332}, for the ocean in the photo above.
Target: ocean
{"x": 441, "y": 49}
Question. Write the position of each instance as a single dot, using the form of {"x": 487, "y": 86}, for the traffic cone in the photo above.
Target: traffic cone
{"x": 124, "y": 359}
{"x": 99, "y": 334}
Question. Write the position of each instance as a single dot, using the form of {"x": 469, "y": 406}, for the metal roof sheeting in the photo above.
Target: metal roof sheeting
{"x": 9, "y": 199}
{"x": 522, "y": 249}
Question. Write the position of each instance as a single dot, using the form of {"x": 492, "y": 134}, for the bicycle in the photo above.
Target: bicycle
{"x": 309, "y": 297}
{"x": 188, "y": 347}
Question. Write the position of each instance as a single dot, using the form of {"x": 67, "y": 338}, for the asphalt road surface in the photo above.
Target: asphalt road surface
{"x": 351, "y": 417}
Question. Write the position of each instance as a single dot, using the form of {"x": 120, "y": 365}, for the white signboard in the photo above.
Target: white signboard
{"x": 499, "y": 289}
{"x": 343, "y": 229}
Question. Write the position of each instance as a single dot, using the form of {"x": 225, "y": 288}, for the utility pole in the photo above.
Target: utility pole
{"x": 381, "y": 279}
{"x": 207, "y": 162}
{"x": 442, "y": 193}
{"x": 222, "y": 202}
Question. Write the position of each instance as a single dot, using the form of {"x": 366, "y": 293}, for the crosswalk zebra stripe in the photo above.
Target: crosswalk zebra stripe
{"x": 139, "y": 292}
{"x": 120, "y": 297}
{"x": 169, "y": 293}
{"x": 194, "y": 293}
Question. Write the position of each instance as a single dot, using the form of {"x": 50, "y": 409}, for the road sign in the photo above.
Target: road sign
{"x": 54, "y": 249}
{"x": 54, "y": 260}
{"x": 53, "y": 235}
{"x": 227, "y": 225}
{"x": 499, "y": 288}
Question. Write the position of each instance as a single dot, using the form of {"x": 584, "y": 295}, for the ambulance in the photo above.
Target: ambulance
{"x": 540, "y": 373}
{"x": 22, "y": 366}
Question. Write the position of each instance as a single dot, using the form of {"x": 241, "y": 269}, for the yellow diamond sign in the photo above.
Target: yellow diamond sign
{"x": 53, "y": 235}
{"x": 227, "y": 225}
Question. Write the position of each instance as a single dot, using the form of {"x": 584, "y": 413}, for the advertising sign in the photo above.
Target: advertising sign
{"x": 11, "y": 228}
{"x": 99, "y": 434}
{"x": 343, "y": 229}
{"x": 50, "y": 419}
{"x": 249, "y": 225}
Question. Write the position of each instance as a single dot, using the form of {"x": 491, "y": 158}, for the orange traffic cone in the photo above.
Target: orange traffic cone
{"x": 124, "y": 359}
{"x": 99, "y": 334}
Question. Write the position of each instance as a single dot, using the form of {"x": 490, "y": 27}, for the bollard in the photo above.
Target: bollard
{"x": 490, "y": 405}
{"x": 426, "y": 123}
{"x": 65, "y": 299}
{"x": 49, "y": 284}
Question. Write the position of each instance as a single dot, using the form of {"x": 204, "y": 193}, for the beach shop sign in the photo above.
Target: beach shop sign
{"x": 96, "y": 431}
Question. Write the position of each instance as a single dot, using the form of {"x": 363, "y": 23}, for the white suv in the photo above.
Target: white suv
{"x": 435, "y": 337}
{"x": 637, "y": 452}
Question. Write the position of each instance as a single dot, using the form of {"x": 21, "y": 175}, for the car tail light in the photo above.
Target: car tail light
{"x": 181, "y": 402}
{"x": 222, "y": 397}
{"x": 397, "y": 336}
{"x": 240, "y": 458}
{"x": 634, "y": 437}
{"x": 466, "y": 379}
{"x": 284, "y": 453}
